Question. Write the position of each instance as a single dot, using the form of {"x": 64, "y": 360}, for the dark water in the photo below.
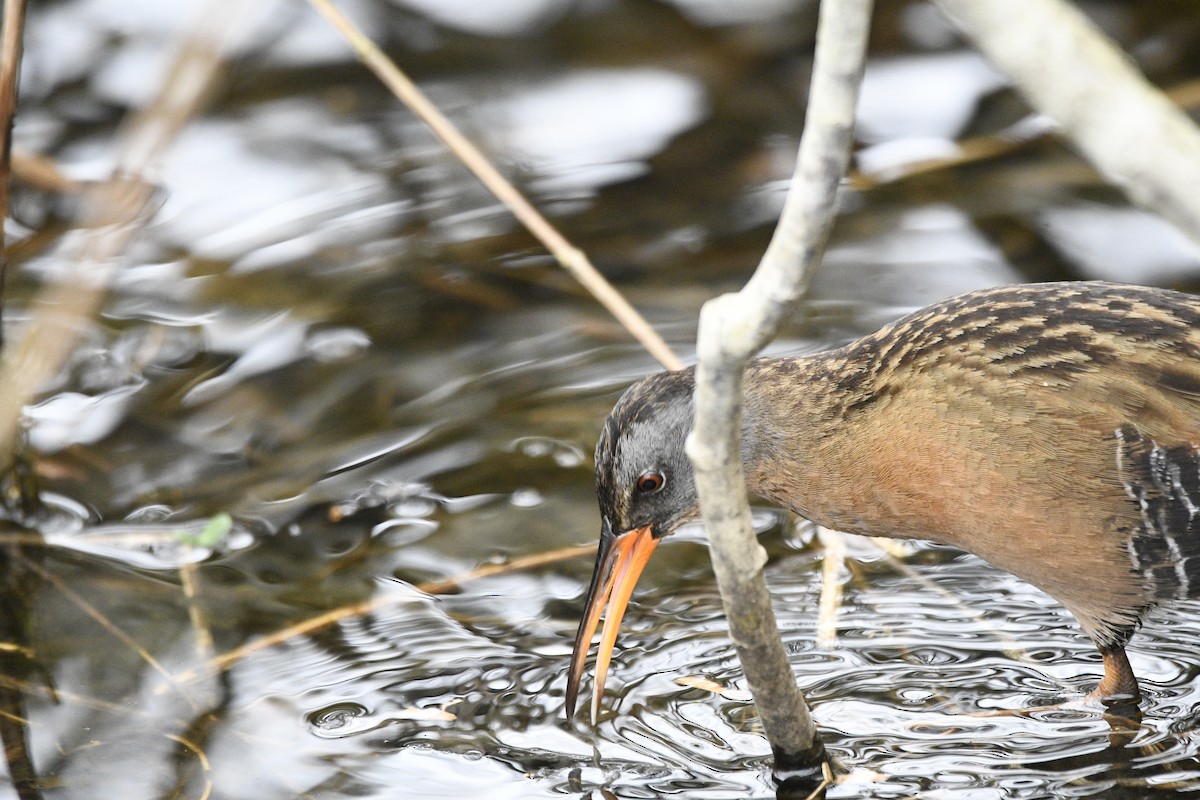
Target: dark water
{"x": 331, "y": 346}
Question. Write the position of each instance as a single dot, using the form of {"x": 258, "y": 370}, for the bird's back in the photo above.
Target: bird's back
{"x": 1051, "y": 428}
{"x": 1073, "y": 335}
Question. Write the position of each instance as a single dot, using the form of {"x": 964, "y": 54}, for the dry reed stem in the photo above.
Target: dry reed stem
{"x": 570, "y": 257}
{"x": 11, "y": 39}
{"x": 189, "y": 582}
{"x": 516, "y": 565}
{"x": 224, "y": 661}
{"x": 15, "y": 718}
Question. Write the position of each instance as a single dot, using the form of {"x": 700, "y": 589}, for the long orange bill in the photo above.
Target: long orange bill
{"x": 619, "y": 563}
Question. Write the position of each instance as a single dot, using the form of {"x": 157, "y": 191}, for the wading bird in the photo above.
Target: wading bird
{"x": 1051, "y": 429}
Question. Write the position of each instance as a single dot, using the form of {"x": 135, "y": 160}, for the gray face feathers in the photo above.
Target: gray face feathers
{"x": 643, "y": 475}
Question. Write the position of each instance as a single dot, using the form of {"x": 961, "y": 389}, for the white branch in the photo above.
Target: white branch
{"x": 732, "y": 329}
{"x": 1070, "y": 71}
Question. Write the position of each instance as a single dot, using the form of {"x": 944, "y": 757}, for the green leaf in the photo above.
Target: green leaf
{"x": 213, "y": 532}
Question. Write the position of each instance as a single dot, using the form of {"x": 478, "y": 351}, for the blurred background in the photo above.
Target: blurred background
{"x": 334, "y": 374}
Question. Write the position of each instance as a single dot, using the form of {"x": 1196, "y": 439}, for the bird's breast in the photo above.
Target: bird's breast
{"x": 999, "y": 473}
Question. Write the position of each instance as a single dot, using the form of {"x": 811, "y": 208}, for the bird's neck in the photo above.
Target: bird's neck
{"x": 794, "y": 447}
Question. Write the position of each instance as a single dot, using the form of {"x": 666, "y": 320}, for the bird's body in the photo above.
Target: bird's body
{"x": 1051, "y": 429}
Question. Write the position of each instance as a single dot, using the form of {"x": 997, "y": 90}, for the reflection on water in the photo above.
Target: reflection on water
{"x": 926, "y": 96}
{"x": 590, "y": 129}
{"x": 1120, "y": 244}
{"x": 333, "y": 348}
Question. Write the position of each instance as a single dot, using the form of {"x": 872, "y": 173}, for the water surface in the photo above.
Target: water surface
{"x": 332, "y": 350}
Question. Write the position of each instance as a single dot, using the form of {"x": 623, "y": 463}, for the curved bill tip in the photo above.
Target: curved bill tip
{"x": 619, "y": 564}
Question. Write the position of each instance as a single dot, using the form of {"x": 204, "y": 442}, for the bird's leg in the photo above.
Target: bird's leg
{"x": 1119, "y": 684}
{"x": 1118, "y": 692}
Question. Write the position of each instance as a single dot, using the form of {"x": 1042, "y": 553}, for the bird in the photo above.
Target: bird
{"x": 1051, "y": 429}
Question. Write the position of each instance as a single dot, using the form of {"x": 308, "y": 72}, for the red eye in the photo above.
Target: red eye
{"x": 650, "y": 482}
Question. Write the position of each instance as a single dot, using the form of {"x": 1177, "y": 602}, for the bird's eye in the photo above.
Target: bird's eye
{"x": 650, "y": 482}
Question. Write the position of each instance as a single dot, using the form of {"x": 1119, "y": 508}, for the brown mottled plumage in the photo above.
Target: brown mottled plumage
{"x": 1051, "y": 429}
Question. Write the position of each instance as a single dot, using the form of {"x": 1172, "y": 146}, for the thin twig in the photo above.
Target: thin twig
{"x": 516, "y": 565}
{"x": 570, "y": 257}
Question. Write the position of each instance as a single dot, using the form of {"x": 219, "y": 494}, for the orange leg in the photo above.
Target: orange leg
{"x": 1119, "y": 684}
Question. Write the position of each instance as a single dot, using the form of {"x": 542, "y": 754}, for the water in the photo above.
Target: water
{"x": 333, "y": 350}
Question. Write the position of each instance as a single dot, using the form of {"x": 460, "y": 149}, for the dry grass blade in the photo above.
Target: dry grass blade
{"x": 1011, "y": 647}
{"x": 969, "y": 151}
{"x": 224, "y": 661}
{"x": 194, "y": 748}
{"x": 22, "y": 540}
{"x": 58, "y": 697}
{"x": 516, "y": 565}
{"x": 570, "y": 257}
{"x": 985, "y": 147}
{"x": 14, "y": 717}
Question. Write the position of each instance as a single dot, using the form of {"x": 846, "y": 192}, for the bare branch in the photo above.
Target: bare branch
{"x": 732, "y": 329}
{"x": 1071, "y": 72}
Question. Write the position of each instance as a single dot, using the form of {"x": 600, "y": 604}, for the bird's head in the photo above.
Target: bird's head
{"x": 646, "y": 489}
